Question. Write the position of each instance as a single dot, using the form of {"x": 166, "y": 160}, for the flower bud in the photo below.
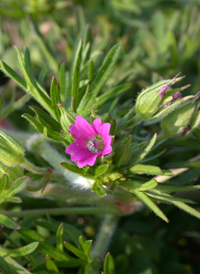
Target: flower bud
{"x": 11, "y": 152}
{"x": 178, "y": 121}
{"x": 194, "y": 123}
{"x": 13, "y": 173}
{"x": 150, "y": 99}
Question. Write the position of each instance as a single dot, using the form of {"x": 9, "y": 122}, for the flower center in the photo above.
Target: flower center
{"x": 95, "y": 146}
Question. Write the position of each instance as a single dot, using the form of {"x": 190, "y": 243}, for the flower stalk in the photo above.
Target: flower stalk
{"x": 102, "y": 241}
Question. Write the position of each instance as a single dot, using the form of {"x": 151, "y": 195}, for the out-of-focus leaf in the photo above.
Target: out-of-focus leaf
{"x": 103, "y": 74}
{"x": 70, "y": 231}
{"x": 48, "y": 249}
{"x": 149, "y": 169}
{"x": 21, "y": 251}
{"x": 143, "y": 197}
{"x": 10, "y": 266}
{"x": 59, "y": 237}
{"x": 142, "y": 151}
{"x": 75, "y": 251}
{"x": 55, "y": 98}
{"x": 76, "y": 77}
{"x": 100, "y": 170}
{"x": 8, "y": 222}
{"x": 16, "y": 187}
{"x": 109, "y": 267}
{"x": 3, "y": 182}
{"x": 51, "y": 266}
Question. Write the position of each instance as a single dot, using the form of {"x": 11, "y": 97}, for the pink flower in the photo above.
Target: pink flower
{"x": 91, "y": 141}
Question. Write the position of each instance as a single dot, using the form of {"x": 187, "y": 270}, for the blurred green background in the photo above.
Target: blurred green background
{"x": 159, "y": 39}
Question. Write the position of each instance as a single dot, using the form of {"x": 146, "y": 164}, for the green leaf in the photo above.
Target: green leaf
{"x": 55, "y": 98}
{"x": 75, "y": 251}
{"x": 8, "y": 222}
{"x": 34, "y": 122}
{"x": 40, "y": 268}
{"x": 51, "y": 266}
{"x": 110, "y": 94}
{"x": 100, "y": 170}
{"x": 76, "y": 77}
{"x": 28, "y": 67}
{"x": 70, "y": 231}
{"x": 12, "y": 74}
{"x": 76, "y": 170}
{"x": 103, "y": 74}
{"x": 16, "y": 105}
{"x": 187, "y": 208}
{"x": 109, "y": 267}
{"x": 50, "y": 121}
{"x": 86, "y": 246}
{"x": 59, "y": 237}
{"x": 62, "y": 82}
{"x": 45, "y": 129}
{"x": 194, "y": 164}
{"x": 186, "y": 178}
{"x": 12, "y": 200}
{"x": 148, "y": 169}
{"x": 87, "y": 95}
{"x": 143, "y": 197}
{"x": 43, "y": 74}
{"x": 168, "y": 189}
{"x": 46, "y": 248}
{"x": 10, "y": 266}
{"x": 140, "y": 151}
{"x": 122, "y": 124}
{"x": 45, "y": 48}
{"x": 16, "y": 187}
{"x": 3, "y": 182}
{"x": 33, "y": 88}
{"x": 19, "y": 252}
{"x": 148, "y": 185}
{"x": 99, "y": 189}
{"x": 168, "y": 198}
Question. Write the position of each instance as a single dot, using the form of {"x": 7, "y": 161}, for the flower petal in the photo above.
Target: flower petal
{"x": 100, "y": 128}
{"x": 78, "y": 150}
{"x": 103, "y": 130}
{"x": 82, "y": 129}
{"x": 89, "y": 161}
{"x": 107, "y": 142}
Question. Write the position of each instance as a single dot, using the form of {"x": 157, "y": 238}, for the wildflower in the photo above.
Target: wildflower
{"x": 91, "y": 141}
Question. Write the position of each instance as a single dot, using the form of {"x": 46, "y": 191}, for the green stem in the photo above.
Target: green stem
{"x": 29, "y": 166}
{"x": 103, "y": 239}
{"x": 16, "y": 105}
{"x": 61, "y": 211}
{"x": 76, "y": 196}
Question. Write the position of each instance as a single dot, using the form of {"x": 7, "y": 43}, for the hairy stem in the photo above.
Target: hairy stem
{"x": 29, "y": 166}
{"x": 61, "y": 211}
{"x": 103, "y": 240}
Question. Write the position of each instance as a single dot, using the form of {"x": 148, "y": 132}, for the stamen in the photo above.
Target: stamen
{"x": 91, "y": 146}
